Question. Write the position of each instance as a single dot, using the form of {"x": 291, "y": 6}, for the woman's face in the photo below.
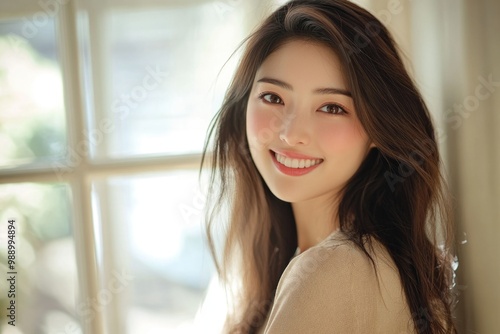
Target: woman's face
{"x": 302, "y": 129}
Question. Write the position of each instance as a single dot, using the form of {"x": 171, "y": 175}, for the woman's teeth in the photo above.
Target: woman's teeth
{"x": 296, "y": 163}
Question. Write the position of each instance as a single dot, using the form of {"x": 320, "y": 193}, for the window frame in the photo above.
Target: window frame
{"x": 81, "y": 177}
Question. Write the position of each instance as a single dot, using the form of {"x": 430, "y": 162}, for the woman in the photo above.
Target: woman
{"x": 325, "y": 156}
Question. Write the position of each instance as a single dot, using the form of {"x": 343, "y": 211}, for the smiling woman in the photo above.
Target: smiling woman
{"x": 317, "y": 130}
{"x": 326, "y": 155}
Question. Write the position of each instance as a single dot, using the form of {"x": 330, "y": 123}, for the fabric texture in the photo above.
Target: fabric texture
{"x": 334, "y": 288}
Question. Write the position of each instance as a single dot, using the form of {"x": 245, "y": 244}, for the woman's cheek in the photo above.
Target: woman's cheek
{"x": 340, "y": 135}
{"x": 262, "y": 127}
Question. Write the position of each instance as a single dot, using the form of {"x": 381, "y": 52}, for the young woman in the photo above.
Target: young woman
{"x": 325, "y": 157}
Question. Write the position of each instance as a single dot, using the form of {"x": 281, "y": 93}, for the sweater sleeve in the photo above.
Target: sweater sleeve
{"x": 327, "y": 290}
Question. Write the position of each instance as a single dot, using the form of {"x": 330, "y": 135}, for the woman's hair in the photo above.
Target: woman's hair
{"x": 397, "y": 196}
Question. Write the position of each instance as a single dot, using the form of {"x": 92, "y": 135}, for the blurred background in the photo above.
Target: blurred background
{"x": 104, "y": 107}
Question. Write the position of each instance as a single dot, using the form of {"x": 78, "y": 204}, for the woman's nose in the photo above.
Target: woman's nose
{"x": 295, "y": 129}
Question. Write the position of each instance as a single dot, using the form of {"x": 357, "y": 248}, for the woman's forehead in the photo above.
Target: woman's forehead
{"x": 302, "y": 64}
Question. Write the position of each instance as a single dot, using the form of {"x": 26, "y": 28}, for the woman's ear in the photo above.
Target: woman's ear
{"x": 372, "y": 145}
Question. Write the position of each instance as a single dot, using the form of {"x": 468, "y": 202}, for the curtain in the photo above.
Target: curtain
{"x": 452, "y": 47}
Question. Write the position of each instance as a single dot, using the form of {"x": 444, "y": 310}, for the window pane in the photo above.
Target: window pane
{"x": 157, "y": 236}
{"x": 32, "y": 120}
{"x": 163, "y": 67}
{"x": 46, "y": 285}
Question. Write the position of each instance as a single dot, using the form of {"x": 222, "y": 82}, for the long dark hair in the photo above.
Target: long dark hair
{"x": 397, "y": 196}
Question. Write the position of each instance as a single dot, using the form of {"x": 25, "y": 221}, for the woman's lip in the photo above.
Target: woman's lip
{"x": 291, "y": 171}
{"x": 294, "y": 155}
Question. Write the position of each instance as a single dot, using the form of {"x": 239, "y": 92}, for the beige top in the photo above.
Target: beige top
{"x": 332, "y": 288}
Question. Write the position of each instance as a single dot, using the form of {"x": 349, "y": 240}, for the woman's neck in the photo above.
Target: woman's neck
{"x": 315, "y": 219}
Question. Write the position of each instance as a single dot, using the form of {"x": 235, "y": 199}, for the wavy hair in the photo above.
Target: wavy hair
{"x": 397, "y": 196}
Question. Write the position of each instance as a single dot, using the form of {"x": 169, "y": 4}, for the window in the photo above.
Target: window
{"x": 103, "y": 113}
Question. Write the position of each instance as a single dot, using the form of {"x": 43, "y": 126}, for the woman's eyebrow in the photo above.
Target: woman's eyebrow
{"x": 287, "y": 86}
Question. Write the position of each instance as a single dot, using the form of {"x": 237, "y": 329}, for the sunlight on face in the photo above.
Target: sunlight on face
{"x": 300, "y": 107}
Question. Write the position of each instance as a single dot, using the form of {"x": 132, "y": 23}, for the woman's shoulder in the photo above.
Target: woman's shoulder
{"x": 337, "y": 259}
{"x": 339, "y": 265}
{"x": 334, "y": 286}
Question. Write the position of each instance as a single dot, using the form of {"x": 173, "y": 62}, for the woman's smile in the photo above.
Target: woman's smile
{"x": 293, "y": 166}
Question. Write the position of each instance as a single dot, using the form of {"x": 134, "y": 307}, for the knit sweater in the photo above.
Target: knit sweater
{"x": 333, "y": 288}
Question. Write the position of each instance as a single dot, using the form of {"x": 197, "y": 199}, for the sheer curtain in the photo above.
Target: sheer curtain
{"x": 452, "y": 48}
{"x": 471, "y": 68}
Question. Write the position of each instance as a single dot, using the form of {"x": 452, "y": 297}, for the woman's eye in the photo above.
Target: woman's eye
{"x": 333, "y": 109}
{"x": 271, "y": 98}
